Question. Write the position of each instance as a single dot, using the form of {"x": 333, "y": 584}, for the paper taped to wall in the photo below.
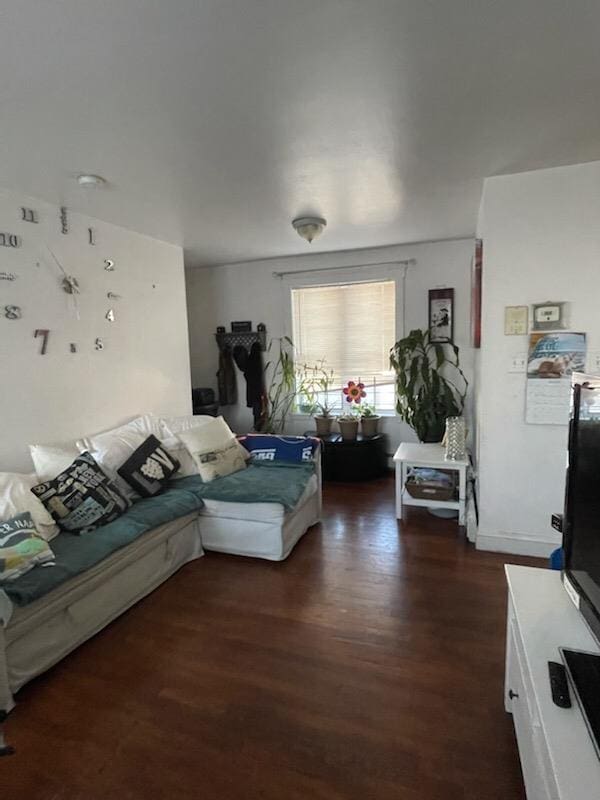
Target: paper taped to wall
{"x": 553, "y": 357}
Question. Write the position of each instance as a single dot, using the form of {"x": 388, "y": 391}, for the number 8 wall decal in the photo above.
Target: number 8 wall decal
{"x": 12, "y": 312}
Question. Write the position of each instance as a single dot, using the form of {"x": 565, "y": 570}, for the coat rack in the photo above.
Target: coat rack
{"x": 243, "y": 339}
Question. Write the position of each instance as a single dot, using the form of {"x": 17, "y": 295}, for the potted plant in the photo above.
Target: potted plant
{"x": 324, "y": 420}
{"x": 348, "y": 423}
{"x": 281, "y": 392}
{"x": 430, "y": 385}
{"x": 323, "y": 382}
{"x": 369, "y": 420}
{"x": 314, "y": 385}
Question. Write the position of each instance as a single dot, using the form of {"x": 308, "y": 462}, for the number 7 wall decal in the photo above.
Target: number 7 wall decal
{"x": 44, "y": 333}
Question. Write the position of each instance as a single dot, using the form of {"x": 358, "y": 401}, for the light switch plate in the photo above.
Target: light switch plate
{"x": 518, "y": 363}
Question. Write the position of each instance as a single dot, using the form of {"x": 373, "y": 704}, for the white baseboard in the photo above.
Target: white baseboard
{"x": 513, "y": 543}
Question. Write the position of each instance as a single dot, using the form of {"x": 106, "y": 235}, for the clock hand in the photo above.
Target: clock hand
{"x": 58, "y": 264}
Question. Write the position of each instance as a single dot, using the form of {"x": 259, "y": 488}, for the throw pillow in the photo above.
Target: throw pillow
{"x": 144, "y": 425}
{"x": 172, "y": 427}
{"x": 149, "y": 469}
{"x": 214, "y": 433}
{"x": 20, "y": 547}
{"x": 218, "y": 462}
{"x": 176, "y": 425}
{"x": 279, "y": 448}
{"x": 112, "y": 449}
{"x": 213, "y": 436}
{"x": 16, "y": 498}
{"x": 178, "y": 451}
{"x": 82, "y": 497}
{"x": 51, "y": 459}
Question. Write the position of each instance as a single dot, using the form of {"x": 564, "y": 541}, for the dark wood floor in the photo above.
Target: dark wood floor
{"x": 369, "y": 665}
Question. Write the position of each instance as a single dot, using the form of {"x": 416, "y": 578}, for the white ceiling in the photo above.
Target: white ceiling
{"x": 218, "y": 121}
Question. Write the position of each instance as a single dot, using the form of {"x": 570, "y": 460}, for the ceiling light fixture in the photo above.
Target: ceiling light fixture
{"x": 91, "y": 181}
{"x": 309, "y": 227}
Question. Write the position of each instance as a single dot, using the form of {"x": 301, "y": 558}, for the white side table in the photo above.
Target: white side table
{"x": 430, "y": 456}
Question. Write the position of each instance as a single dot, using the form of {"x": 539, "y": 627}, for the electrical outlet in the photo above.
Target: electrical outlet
{"x": 518, "y": 364}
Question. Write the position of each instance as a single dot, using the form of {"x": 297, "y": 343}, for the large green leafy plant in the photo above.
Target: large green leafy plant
{"x": 430, "y": 385}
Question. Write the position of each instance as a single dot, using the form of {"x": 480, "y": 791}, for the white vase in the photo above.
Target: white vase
{"x": 455, "y": 438}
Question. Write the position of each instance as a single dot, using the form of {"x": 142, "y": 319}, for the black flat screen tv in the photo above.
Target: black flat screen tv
{"x": 581, "y": 523}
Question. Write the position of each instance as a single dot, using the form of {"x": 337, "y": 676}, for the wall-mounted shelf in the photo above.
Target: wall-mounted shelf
{"x": 244, "y": 339}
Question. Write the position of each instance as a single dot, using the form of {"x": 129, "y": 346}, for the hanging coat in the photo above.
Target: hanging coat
{"x": 226, "y": 378}
{"x": 251, "y": 364}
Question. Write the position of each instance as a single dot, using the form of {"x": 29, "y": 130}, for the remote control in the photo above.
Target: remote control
{"x": 559, "y": 685}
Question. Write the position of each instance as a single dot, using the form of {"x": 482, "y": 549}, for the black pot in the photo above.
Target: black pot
{"x": 435, "y": 433}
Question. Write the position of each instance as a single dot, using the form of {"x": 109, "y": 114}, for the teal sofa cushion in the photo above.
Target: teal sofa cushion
{"x": 75, "y": 554}
{"x": 261, "y": 482}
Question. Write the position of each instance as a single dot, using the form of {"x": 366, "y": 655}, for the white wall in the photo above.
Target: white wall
{"x": 541, "y": 235}
{"x": 248, "y": 291}
{"x": 144, "y": 366}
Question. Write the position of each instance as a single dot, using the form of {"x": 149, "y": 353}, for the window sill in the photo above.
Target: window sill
{"x": 384, "y": 414}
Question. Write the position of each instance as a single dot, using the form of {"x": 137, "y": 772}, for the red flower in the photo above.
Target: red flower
{"x": 354, "y": 392}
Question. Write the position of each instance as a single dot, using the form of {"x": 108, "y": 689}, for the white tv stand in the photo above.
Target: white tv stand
{"x": 557, "y": 755}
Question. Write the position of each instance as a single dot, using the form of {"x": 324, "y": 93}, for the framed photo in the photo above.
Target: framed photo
{"x": 441, "y": 315}
{"x": 476, "y": 293}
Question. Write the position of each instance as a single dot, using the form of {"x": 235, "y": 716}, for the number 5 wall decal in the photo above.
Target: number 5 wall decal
{"x": 44, "y": 333}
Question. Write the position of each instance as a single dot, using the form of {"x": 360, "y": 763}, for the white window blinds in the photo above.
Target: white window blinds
{"x": 352, "y": 326}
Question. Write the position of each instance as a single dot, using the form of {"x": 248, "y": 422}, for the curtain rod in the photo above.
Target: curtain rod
{"x": 407, "y": 262}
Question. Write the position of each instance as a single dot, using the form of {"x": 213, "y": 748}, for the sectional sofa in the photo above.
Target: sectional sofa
{"x": 39, "y": 625}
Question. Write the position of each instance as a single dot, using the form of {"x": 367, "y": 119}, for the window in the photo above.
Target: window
{"x": 352, "y": 326}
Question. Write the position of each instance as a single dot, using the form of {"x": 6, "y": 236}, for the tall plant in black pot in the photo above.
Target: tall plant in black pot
{"x": 430, "y": 385}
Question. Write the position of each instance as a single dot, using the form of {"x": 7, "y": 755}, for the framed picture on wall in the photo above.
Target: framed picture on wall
{"x": 476, "y": 293}
{"x": 441, "y": 315}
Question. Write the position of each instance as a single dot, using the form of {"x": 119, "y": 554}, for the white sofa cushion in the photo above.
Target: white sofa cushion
{"x": 50, "y": 460}
{"x": 16, "y": 497}
{"x": 143, "y": 425}
{"x": 177, "y": 449}
{"x": 176, "y": 425}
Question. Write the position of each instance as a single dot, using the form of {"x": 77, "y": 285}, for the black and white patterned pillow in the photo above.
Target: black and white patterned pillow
{"x": 150, "y": 467}
{"x": 82, "y": 497}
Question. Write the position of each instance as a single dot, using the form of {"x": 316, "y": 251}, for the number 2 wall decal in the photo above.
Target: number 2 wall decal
{"x": 44, "y": 333}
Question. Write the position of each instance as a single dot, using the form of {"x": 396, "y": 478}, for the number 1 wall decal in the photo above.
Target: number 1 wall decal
{"x": 44, "y": 333}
